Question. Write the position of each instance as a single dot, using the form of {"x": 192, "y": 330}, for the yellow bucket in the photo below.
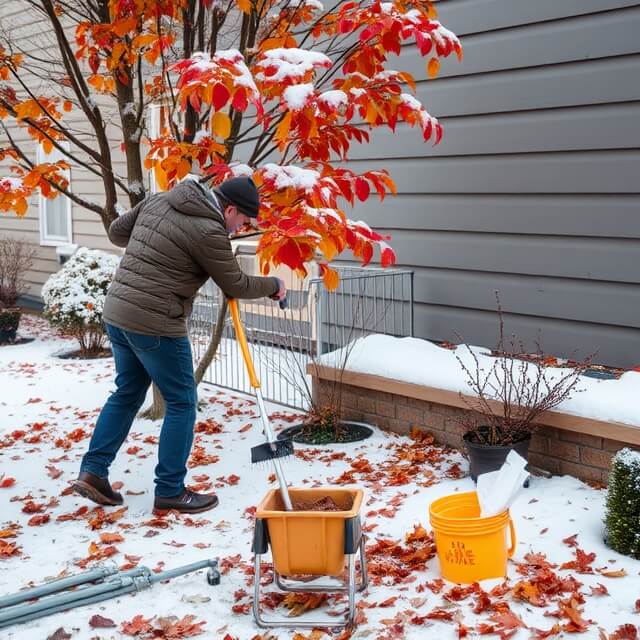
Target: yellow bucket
{"x": 470, "y": 548}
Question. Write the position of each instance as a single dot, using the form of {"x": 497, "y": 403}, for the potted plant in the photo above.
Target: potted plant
{"x": 16, "y": 258}
{"x": 509, "y": 395}
{"x": 74, "y": 299}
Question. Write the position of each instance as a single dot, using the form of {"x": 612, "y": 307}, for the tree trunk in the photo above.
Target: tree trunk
{"x": 156, "y": 410}
{"x": 214, "y": 343}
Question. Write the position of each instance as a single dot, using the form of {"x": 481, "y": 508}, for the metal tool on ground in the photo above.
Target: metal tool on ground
{"x": 93, "y": 586}
{"x": 272, "y": 449}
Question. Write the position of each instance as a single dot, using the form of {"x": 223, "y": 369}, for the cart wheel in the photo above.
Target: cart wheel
{"x": 213, "y": 577}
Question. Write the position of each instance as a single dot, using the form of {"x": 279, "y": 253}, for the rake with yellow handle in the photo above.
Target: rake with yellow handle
{"x": 272, "y": 449}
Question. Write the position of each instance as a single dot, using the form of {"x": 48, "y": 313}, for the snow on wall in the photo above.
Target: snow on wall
{"x": 422, "y": 362}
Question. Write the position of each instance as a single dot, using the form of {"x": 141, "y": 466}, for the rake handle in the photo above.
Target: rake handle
{"x": 242, "y": 339}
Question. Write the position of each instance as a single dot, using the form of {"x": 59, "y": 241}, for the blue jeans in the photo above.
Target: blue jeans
{"x": 139, "y": 360}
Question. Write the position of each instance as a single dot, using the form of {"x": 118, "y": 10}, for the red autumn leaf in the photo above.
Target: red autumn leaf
{"x": 362, "y": 189}
{"x": 99, "y": 622}
{"x": 240, "y": 102}
{"x": 73, "y": 516}
{"x": 582, "y": 563}
{"x": 53, "y": 472}
{"x": 202, "y": 545}
{"x": 389, "y": 602}
{"x": 507, "y": 619}
{"x": 419, "y": 533}
{"x": 529, "y": 592}
{"x": 8, "y": 549}
{"x": 485, "y": 629}
{"x": 483, "y": 602}
{"x": 440, "y": 614}
{"x": 541, "y": 633}
{"x": 625, "y": 632}
{"x": 172, "y": 627}
{"x": 435, "y": 586}
{"x": 538, "y": 560}
{"x": 220, "y": 96}
{"x": 571, "y": 540}
{"x": 241, "y": 608}
{"x": 599, "y": 590}
{"x": 7, "y": 482}
{"x": 388, "y": 256}
{"x": 569, "y": 609}
{"x": 32, "y": 507}
{"x": 458, "y": 593}
{"x": 110, "y": 538}
{"x": 137, "y": 626}
{"x": 37, "y": 521}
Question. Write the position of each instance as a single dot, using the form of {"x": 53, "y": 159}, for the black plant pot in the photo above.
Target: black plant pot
{"x": 9, "y": 321}
{"x": 484, "y": 458}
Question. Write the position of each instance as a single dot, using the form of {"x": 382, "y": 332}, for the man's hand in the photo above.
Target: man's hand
{"x": 281, "y": 294}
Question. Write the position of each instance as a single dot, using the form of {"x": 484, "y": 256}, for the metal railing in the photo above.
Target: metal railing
{"x": 367, "y": 300}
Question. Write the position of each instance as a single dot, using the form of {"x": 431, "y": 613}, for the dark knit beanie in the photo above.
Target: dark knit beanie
{"x": 243, "y": 193}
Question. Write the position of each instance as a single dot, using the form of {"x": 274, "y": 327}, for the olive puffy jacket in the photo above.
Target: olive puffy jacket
{"x": 174, "y": 242}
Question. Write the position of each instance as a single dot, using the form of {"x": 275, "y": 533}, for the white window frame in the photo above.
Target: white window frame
{"x": 47, "y": 240}
{"x": 153, "y": 127}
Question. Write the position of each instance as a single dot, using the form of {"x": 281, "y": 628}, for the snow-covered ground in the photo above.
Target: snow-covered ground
{"x": 48, "y": 407}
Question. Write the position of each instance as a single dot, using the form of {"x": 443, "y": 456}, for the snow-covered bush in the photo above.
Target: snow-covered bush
{"x": 622, "y": 519}
{"x": 74, "y": 297}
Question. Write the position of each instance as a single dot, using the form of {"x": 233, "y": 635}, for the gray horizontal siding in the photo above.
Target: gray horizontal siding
{"x": 560, "y": 337}
{"x": 568, "y": 298}
{"x": 608, "y": 259}
{"x": 477, "y": 16}
{"x": 559, "y": 85}
{"x": 522, "y": 213}
{"x": 611, "y": 171}
{"x": 608, "y": 126}
{"x": 582, "y": 38}
{"x": 534, "y": 190}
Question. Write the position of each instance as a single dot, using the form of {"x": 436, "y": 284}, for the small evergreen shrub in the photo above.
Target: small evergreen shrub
{"x": 622, "y": 518}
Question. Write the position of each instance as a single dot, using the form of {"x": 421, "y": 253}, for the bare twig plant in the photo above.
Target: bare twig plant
{"x": 323, "y": 420}
{"x": 510, "y": 397}
{"x": 16, "y": 258}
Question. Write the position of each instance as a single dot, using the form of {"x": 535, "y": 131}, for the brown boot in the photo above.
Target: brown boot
{"x": 187, "y": 502}
{"x": 96, "y": 489}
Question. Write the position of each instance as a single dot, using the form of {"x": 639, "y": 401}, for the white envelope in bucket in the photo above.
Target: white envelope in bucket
{"x": 498, "y": 489}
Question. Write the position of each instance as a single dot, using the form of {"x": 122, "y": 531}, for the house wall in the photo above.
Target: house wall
{"x": 534, "y": 189}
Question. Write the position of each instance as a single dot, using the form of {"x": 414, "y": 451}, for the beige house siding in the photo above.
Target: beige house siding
{"x": 31, "y": 33}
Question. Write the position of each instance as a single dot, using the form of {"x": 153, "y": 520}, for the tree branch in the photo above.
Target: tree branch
{"x": 72, "y": 196}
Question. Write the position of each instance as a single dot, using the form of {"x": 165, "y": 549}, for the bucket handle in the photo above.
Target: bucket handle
{"x": 512, "y": 536}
